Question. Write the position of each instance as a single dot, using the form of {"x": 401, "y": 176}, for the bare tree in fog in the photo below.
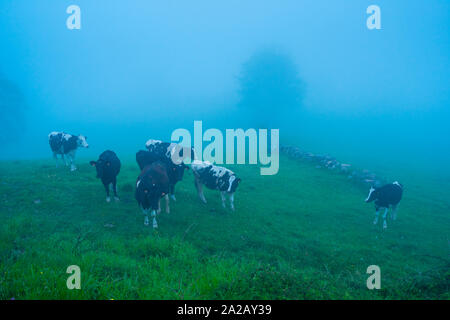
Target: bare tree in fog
{"x": 12, "y": 111}
{"x": 270, "y": 89}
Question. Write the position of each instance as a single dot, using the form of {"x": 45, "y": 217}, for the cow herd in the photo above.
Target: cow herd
{"x": 160, "y": 173}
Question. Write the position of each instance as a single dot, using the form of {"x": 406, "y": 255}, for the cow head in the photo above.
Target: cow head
{"x": 82, "y": 141}
{"x": 149, "y": 192}
{"x": 178, "y": 171}
{"x": 100, "y": 166}
{"x": 373, "y": 194}
{"x": 233, "y": 184}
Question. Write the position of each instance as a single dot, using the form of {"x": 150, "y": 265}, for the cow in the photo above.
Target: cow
{"x": 216, "y": 178}
{"x": 144, "y": 158}
{"x": 175, "y": 172}
{"x": 108, "y": 167}
{"x": 385, "y": 197}
{"x": 66, "y": 145}
{"x": 173, "y": 151}
{"x": 151, "y": 185}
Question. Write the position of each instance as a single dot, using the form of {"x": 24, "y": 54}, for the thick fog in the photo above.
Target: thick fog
{"x": 140, "y": 69}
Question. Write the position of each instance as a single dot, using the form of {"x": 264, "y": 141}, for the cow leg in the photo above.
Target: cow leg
{"x": 384, "y": 218}
{"x": 199, "y": 187}
{"x": 172, "y": 192}
{"x": 232, "y": 201}
{"x": 106, "y": 185}
{"x": 394, "y": 212}
{"x": 145, "y": 212}
{"x": 155, "y": 223}
{"x": 69, "y": 161}
{"x": 114, "y": 185}
{"x": 167, "y": 203}
{"x": 71, "y": 156}
{"x": 222, "y": 195}
{"x": 64, "y": 159}
{"x": 56, "y": 159}
{"x": 377, "y": 213}
{"x": 159, "y": 206}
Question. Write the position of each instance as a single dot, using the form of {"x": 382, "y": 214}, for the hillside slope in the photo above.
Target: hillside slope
{"x": 305, "y": 233}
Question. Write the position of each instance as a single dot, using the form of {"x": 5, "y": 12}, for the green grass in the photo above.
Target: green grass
{"x": 302, "y": 234}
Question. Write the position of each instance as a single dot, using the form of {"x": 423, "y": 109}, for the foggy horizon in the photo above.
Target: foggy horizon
{"x": 149, "y": 68}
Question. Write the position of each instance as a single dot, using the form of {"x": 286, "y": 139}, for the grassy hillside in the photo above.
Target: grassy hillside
{"x": 305, "y": 233}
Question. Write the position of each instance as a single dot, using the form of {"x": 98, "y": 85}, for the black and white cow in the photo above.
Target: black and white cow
{"x": 175, "y": 172}
{"x": 66, "y": 145}
{"x": 172, "y": 151}
{"x": 151, "y": 185}
{"x": 216, "y": 178}
{"x": 385, "y": 197}
{"x": 108, "y": 167}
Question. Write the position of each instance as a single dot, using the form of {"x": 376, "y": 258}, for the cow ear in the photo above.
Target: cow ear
{"x": 92, "y": 163}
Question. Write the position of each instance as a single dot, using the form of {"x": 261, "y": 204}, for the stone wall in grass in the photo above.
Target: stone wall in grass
{"x": 325, "y": 161}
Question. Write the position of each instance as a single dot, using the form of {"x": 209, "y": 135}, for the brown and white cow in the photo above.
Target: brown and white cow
{"x": 152, "y": 185}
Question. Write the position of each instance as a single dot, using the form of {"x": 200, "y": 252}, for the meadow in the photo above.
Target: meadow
{"x": 305, "y": 233}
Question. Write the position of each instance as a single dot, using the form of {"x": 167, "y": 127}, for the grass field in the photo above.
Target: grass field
{"x": 305, "y": 233}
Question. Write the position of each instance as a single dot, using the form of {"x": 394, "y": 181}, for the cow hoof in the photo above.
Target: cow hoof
{"x": 108, "y": 199}
{"x": 384, "y": 226}
{"x": 146, "y": 221}
{"x": 116, "y": 198}
{"x": 375, "y": 221}
{"x": 173, "y": 197}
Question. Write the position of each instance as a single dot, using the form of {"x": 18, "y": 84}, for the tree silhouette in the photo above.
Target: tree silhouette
{"x": 12, "y": 107}
{"x": 270, "y": 88}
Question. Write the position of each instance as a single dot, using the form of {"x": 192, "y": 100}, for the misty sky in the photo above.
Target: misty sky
{"x": 139, "y": 61}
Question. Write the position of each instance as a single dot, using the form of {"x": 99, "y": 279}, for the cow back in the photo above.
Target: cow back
{"x": 146, "y": 158}
{"x": 389, "y": 194}
{"x": 213, "y": 177}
